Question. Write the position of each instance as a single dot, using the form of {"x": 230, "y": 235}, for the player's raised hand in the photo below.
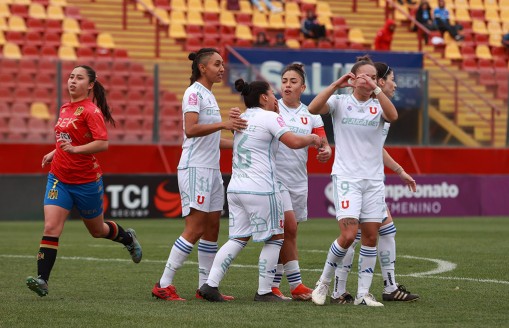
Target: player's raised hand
{"x": 344, "y": 81}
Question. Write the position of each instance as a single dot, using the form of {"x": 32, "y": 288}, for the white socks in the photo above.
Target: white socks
{"x": 343, "y": 270}
{"x": 206, "y": 253}
{"x": 367, "y": 262}
{"x": 278, "y": 276}
{"x": 178, "y": 254}
{"x": 334, "y": 259}
{"x": 267, "y": 265}
{"x": 387, "y": 256}
{"x": 292, "y": 272}
{"x": 224, "y": 257}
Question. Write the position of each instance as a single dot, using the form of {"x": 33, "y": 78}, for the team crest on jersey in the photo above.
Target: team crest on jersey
{"x": 53, "y": 194}
{"x": 373, "y": 110}
{"x": 281, "y": 121}
{"x": 193, "y": 99}
{"x": 345, "y": 204}
{"x": 304, "y": 120}
{"x": 200, "y": 199}
{"x": 79, "y": 110}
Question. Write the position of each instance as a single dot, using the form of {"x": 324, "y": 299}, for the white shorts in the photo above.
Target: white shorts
{"x": 360, "y": 199}
{"x": 259, "y": 216}
{"x": 295, "y": 200}
{"x": 201, "y": 189}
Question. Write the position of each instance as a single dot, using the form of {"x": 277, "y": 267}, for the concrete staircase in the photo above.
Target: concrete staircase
{"x": 474, "y": 131}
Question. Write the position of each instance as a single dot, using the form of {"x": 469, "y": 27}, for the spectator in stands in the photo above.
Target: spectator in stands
{"x": 280, "y": 41}
{"x": 425, "y": 17}
{"x": 442, "y": 22}
{"x": 75, "y": 177}
{"x": 383, "y": 38}
{"x": 311, "y": 28}
{"x": 268, "y": 4}
{"x": 199, "y": 178}
{"x": 505, "y": 40}
{"x": 261, "y": 40}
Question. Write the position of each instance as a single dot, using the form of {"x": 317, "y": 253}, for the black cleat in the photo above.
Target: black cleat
{"x": 346, "y": 298}
{"x": 401, "y": 295}
{"x": 269, "y": 297}
{"x": 211, "y": 294}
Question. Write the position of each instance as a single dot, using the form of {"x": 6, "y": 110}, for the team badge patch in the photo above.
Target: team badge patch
{"x": 79, "y": 110}
{"x": 193, "y": 99}
{"x": 281, "y": 121}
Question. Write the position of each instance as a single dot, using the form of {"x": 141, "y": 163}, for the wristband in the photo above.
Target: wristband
{"x": 398, "y": 170}
{"x": 377, "y": 91}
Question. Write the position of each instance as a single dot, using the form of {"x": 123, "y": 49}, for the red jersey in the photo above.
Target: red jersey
{"x": 79, "y": 123}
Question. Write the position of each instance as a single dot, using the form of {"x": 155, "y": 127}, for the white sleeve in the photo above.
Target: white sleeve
{"x": 332, "y": 102}
{"x": 316, "y": 121}
{"x": 191, "y": 101}
{"x": 276, "y": 125}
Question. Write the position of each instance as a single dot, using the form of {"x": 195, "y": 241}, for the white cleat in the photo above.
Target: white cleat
{"x": 367, "y": 300}
{"x": 320, "y": 292}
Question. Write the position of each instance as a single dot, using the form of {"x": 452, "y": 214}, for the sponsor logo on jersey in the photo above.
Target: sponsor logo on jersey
{"x": 193, "y": 99}
{"x": 349, "y": 108}
{"x": 79, "y": 110}
{"x": 281, "y": 121}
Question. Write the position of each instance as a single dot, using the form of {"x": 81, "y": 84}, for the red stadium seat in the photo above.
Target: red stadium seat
{"x": 467, "y": 51}
{"x": 193, "y": 44}
{"x": 51, "y": 39}
{"x": 17, "y": 129}
{"x": 120, "y": 54}
{"x": 25, "y": 80}
{"x": 85, "y": 53}
{"x": 211, "y": 19}
{"x": 210, "y": 31}
{"x": 324, "y": 44}
{"x": 20, "y": 109}
{"x": 194, "y": 31}
{"x": 35, "y": 25}
{"x": 54, "y": 26}
{"x": 87, "y": 40}
{"x": 308, "y": 44}
{"x": 19, "y": 10}
{"x": 137, "y": 83}
{"x": 15, "y": 37}
{"x": 88, "y": 27}
{"x": 48, "y": 51}
{"x": 118, "y": 82}
{"x": 469, "y": 64}
{"x": 72, "y": 12}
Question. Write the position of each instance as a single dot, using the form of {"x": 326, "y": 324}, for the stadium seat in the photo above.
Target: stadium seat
{"x": 38, "y": 130}
{"x": 323, "y": 8}
{"x": 260, "y": 20}
{"x": 11, "y": 51}
{"x": 483, "y": 52}
{"x": 324, "y": 44}
{"x": 340, "y": 43}
{"x": 71, "y": 25}
{"x": 85, "y": 53}
{"x": 88, "y": 27}
{"x": 308, "y": 44}
{"x": 194, "y": 31}
{"x": 39, "y": 110}
{"x": 463, "y": 15}
{"x": 17, "y": 129}
{"x": 177, "y": 31}
{"x": 20, "y": 110}
{"x": 276, "y": 21}
{"x": 490, "y": 5}
{"x": 48, "y": 51}
{"x": 194, "y": 18}
{"x": 452, "y": 51}
{"x": 19, "y": 10}
{"x": 25, "y": 80}
{"x": 467, "y": 51}
{"x": 55, "y": 12}
{"x": 69, "y": 39}
{"x": 15, "y": 37}
{"x": 211, "y": 18}
{"x": 33, "y": 38}
{"x": 226, "y": 18}
{"x": 481, "y": 39}
{"x": 16, "y": 24}
{"x": 195, "y": 6}
{"x": 211, "y": 6}
{"x": 67, "y": 53}
{"x": 105, "y": 41}
{"x": 60, "y": 3}
{"x": 292, "y": 22}
{"x": 37, "y": 11}
{"x": 193, "y": 44}
{"x": 293, "y": 43}
{"x": 243, "y": 32}
{"x": 210, "y": 31}
{"x": 355, "y": 35}
{"x": 479, "y": 27}
{"x": 87, "y": 40}
{"x": 4, "y": 10}
{"x": 178, "y": 5}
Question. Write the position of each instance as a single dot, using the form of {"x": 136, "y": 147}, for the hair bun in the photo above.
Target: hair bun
{"x": 192, "y": 56}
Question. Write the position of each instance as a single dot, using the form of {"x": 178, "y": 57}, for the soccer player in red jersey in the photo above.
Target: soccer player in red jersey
{"x": 75, "y": 177}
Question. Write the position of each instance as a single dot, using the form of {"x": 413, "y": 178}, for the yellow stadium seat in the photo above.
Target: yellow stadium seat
{"x": 292, "y": 21}
{"x": 479, "y": 27}
{"x": 482, "y": 51}
{"x": 433, "y": 4}
{"x": 195, "y": 6}
{"x": 59, "y": 3}
{"x": 462, "y": 15}
{"x": 177, "y": 31}
{"x": 246, "y": 7}
{"x": 163, "y": 15}
{"x": 177, "y": 16}
{"x": 3, "y": 24}
{"x": 355, "y": 35}
{"x": 312, "y": 2}
{"x": 226, "y": 18}
{"x": 476, "y": 5}
{"x": 399, "y": 16}
{"x": 55, "y": 12}
{"x": 144, "y": 5}
{"x": 495, "y": 40}
{"x": 504, "y": 12}
{"x": 490, "y": 4}
{"x": 276, "y": 21}
{"x": 69, "y": 39}
{"x": 194, "y": 18}
{"x": 505, "y": 27}
{"x": 448, "y": 38}
{"x": 461, "y": 4}
{"x": 452, "y": 51}
{"x": 211, "y": 6}
{"x": 292, "y": 8}
{"x": 449, "y": 4}
{"x": 243, "y": 32}
{"x": 503, "y": 4}
{"x": 11, "y": 51}
{"x": 67, "y": 53}
{"x": 2, "y": 38}
{"x": 4, "y": 10}
{"x": 293, "y": 44}
{"x": 36, "y": 10}
{"x": 105, "y": 40}
{"x": 178, "y": 5}
{"x": 494, "y": 27}
{"x": 22, "y": 2}
{"x": 40, "y": 110}
{"x": 325, "y": 20}
{"x": 491, "y": 15}
{"x": 17, "y": 24}
{"x": 323, "y": 9}
{"x": 260, "y": 19}
{"x": 71, "y": 25}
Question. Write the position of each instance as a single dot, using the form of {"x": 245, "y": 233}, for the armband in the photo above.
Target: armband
{"x": 377, "y": 91}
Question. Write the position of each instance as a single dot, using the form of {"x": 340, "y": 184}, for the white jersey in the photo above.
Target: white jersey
{"x": 201, "y": 151}
{"x": 292, "y": 163}
{"x": 254, "y": 150}
{"x": 358, "y": 135}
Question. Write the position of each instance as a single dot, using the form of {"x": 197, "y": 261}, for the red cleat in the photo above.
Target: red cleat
{"x": 302, "y": 293}
{"x": 167, "y": 293}
{"x": 277, "y": 292}
{"x": 225, "y": 297}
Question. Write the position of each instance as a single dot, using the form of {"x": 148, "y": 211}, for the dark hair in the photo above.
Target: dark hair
{"x": 199, "y": 57}
{"x": 99, "y": 94}
{"x": 382, "y": 70}
{"x": 298, "y": 68}
{"x": 252, "y": 91}
{"x": 361, "y": 61}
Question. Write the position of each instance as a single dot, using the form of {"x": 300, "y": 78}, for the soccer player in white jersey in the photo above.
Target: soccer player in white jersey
{"x": 292, "y": 172}
{"x": 199, "y": 178}
{"x": 254, "y": 199}
{"x": 387, "y": 232}
{"x": 357, "y": 173}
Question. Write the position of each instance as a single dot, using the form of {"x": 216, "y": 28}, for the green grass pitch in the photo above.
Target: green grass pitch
{"x": 459, "y": 267}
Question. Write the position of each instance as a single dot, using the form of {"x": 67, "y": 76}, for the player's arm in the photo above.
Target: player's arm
{"x": 389, "y": 112}
{"x": 319, "y": 104}
{"x": 225, "y": 143}
{"x": 48, "y": 158}
{"x": 294, "y": 141}
{"x": 398, "y": 169}
{"x": 325, "y": 151}
{"x": 192, "y": 129}
{"x": 93, "y": 147}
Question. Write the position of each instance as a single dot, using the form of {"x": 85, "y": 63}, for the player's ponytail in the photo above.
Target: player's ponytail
{"x": 361, "y": 61}
{"x": 251, "y": 92}
{"x": 99, "y": 94}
